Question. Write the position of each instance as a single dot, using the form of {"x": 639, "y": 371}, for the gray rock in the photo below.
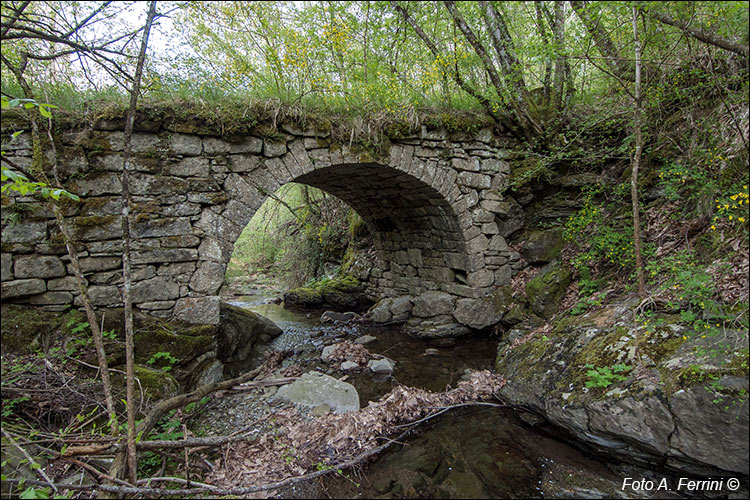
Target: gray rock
{"x": 486, "y": 311}
{"x": 542, "y": 246}
{"x": 6, "y": 267}
{"x": 39, "y": 266}
{"x": 239, "y": 331}
{"x": 198, "y": 310}
{"x": 213, "y": 372}
{"x": 208, "y": 278}
{"x": 349, "y": 365}
{"x": 337, "y": 317}
{"x": 546, "y": 290}
{"x": 314, "y": 389}
{"x": 325, "y": 356}
{"x": 382, "y": 366}
{"x": 153, "y": 289}
{"x": 709, "y": 433}
{"x": 21, "y": 288}
{"x": 433, "y": 303}
{"x": 364, "y": 339}
{"x": 28, "y": 232}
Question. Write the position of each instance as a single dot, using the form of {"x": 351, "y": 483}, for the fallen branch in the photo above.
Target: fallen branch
{"x": 135, "y": 490}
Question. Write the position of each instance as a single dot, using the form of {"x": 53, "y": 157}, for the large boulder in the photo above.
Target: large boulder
{"x": 314, "y": 389}
{"x": 675, "y": 404}
{"x": 486, "y": 311}
{"x": 542, "y": 246}
{"x": 240, "y": 330}
{"x": 392, "y": 309}
{"x": 342, "y": 293}
{"x": 546, "y": 290}
{"x": 433, "y": 303}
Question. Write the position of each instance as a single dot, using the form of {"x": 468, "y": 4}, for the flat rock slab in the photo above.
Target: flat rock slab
{"x": 314, "y": 389}
{"x": 364, "y": 339}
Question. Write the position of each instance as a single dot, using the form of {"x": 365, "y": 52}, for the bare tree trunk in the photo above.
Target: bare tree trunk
{"x": 126, "y": 272}
{"x": 541, "y": 26}
{"x": 637, "y": 159}
{"x": 558, "y": 30}
{"x": 38, "y": 172}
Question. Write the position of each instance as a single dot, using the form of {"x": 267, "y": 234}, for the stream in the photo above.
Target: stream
{"x": 474, "y": 452}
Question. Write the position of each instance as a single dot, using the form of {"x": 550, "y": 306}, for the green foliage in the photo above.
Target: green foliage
{"x": 167, "y": 360}
{"x": 293, "y": 234}
{"x": 691, "y": 290}
{"x": 604, "y": 376}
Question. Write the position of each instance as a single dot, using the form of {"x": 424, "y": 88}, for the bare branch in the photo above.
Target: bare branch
{"x": 702, "y": 35}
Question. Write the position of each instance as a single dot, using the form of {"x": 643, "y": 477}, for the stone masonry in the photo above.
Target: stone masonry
{"x": 430, "y": 200}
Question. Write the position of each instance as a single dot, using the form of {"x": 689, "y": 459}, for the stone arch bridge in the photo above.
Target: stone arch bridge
{"x": 430, "y": 200}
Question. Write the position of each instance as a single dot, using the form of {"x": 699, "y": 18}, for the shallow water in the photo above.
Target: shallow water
{"x": 466, "y": 453}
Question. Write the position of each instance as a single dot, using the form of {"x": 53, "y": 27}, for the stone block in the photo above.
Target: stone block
{"x": 213, "y": 145}
{"x": 104, "y": 295}
{"x": 156, "y": 228}
{"x": 6, "y": 267}
{"x": 141, "y": 143}
{"x": 208, "y": 278}
{"x": 272, "y": 149}
{"x": 158, "y": 288}
{"x": 465, "y": 164}
{"x": 167, "y": 255}
{"x": 498, "y": 243}
{"x": 249, "y": 144}
{"x": 187, "y": 145}
{"x": 98, "y": 184}
{"x": 25, "y": 232}
{"x": 490, "y": 228}
{"x": 22, "y": 288}
{"x": 478, "y": 244}
{"x": 39, "y": 266}
{"x": 49, "y": 298}
{"x": 189, "y": 167}
{"x": 480, "y": 278}
{"x": 198, "y": 310}
{"x": 503, "y": 275}
{"x": 432, "y": 303}
{"x": 243, "y": 163}
{"x": 96, "y": 264}
{"x": 474, "y": 180}
{"x": 65, "y": 284}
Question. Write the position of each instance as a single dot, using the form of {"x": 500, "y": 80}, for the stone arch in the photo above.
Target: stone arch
{"x": 430, "y": 200}
{"x": 418, "y": 239}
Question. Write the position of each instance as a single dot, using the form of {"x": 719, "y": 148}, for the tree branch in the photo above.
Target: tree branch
{"x": 702, "y": 35}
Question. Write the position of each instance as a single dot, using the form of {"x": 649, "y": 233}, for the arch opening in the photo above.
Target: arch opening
{"x": 416, "y": 233}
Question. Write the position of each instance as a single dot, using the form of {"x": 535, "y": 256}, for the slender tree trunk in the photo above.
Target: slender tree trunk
{"x": 38, "y": 172}
{"x": 126, "y": 272}
{"x": 637, "y": 114}
{"x": 619, "y": 66}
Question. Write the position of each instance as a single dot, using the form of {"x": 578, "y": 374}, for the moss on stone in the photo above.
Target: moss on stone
{"x": 545, "y": 290}
{"x": 24, "y": 328}
{"x": 157, "y": 384}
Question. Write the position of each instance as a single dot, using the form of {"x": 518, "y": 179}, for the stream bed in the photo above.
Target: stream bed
{"x": 474, "y": 452}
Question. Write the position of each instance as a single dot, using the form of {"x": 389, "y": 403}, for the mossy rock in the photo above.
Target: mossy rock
{"x": 305, "y": 297}
{"x": 542, "y": 246}
{"x": 181, "y": 340}
{"x": 26, "y": 329}
{"x": 341, "y": 293}
{"x": 546, "y": 290}
{"x": 157, "y": 384}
